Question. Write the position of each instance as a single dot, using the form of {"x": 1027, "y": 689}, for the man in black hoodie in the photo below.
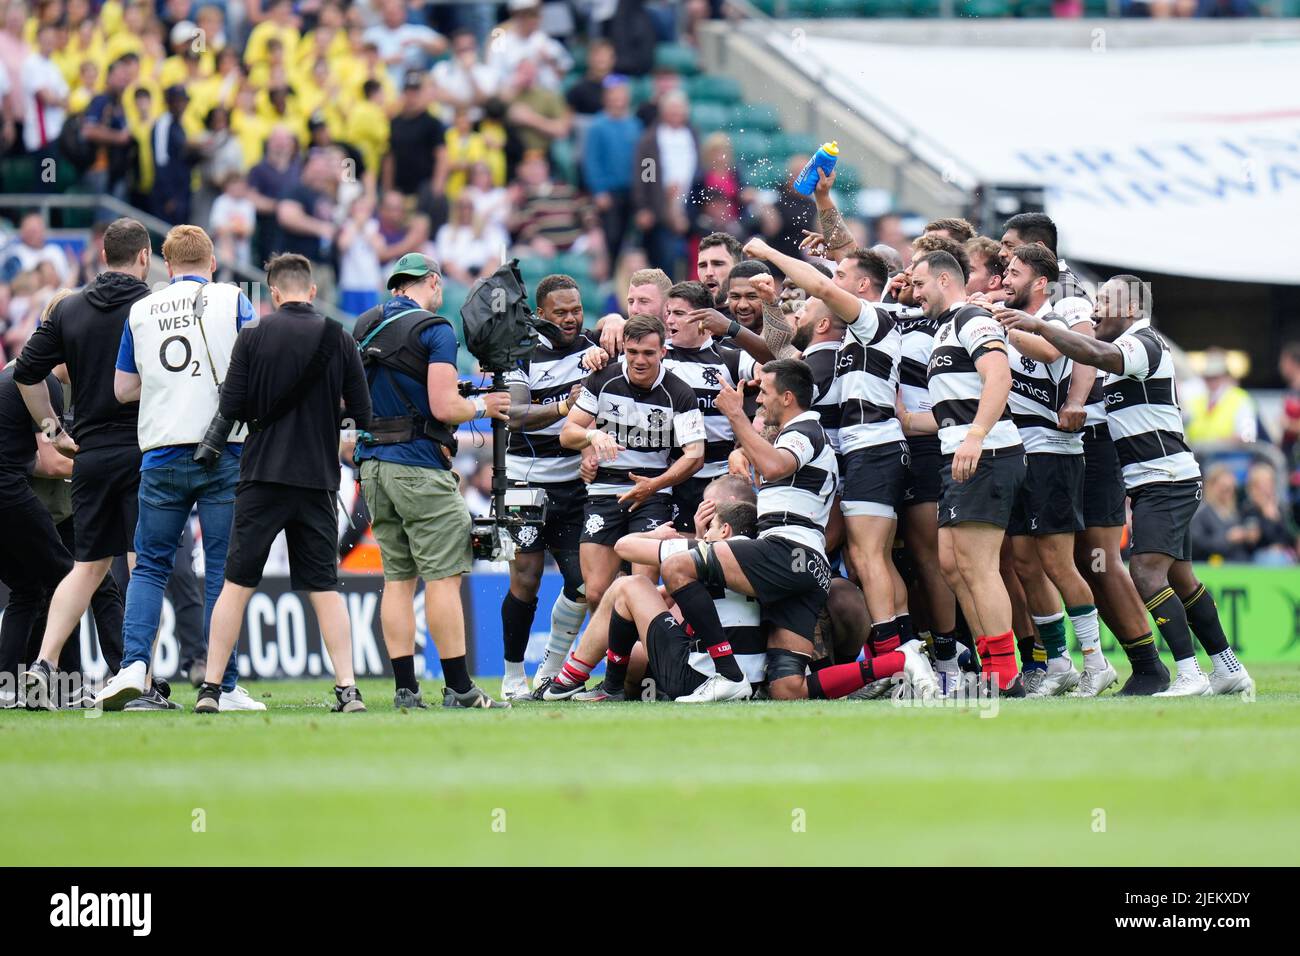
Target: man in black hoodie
{"x": 85, "y": 331}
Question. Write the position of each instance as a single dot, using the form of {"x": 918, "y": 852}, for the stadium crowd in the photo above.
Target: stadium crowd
{"x": 829, "y": 391}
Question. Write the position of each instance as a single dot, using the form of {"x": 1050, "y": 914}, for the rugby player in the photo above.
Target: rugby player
{"x": 632, "y": 414}
{"x": 542, "y": 392}
{"x": 870, "y": 437}
{"x": 984, "y": 462}
{"x": 786, "y": 568}
{"x": 1049, "y": 511}
{"x": 717, "y": 254}
{"x": 1163, "y": 482}
{"x": 727, "y": 512}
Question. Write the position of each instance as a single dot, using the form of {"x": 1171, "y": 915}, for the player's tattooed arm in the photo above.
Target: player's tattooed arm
{"x": 836, "y": 236}
{"x": 1088, "y": 351}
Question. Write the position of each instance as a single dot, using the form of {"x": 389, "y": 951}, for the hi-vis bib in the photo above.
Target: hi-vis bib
{"x": 178, "y": 395}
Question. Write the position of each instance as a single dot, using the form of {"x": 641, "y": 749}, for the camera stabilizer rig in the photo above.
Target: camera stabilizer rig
{"x": 512, "y": 508}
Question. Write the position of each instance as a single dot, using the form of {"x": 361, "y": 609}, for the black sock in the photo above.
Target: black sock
{"x": 905, "y": 632}
{"x": 1025, "y": 645}
{"x": 212, "y": 691}
{"x": 1203, "y": 618}
{"x": 884, "y": 632}
{"x": 456, "y": 673}
{"x": 1142, "y": 654}
{"x": 945, "y": 646}
{"x": 1172, "y": 621}
{"x": 622, "y": 638}
{"x": 404, "y": 674}
{"x": 702, "y": 616}
{"x": 516, "y": 625}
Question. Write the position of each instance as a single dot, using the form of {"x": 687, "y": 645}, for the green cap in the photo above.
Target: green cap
{"x": 413, "y": 265}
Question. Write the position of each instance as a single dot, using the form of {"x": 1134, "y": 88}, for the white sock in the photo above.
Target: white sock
{"x": 1088, "y": 632}
{"x": 1190, "y": 667}
{"x": 514, "y": 670}
{"x": 1226, "y": 661}
{"x": 1059, "y": 665}
{"x": 566, "y": 621}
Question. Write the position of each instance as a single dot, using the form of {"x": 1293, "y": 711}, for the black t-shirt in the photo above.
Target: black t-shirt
{"x": 412, "y": 141}
{"x": 18, "y": 436}
{"x": 586, "y": 97}
{"x": 315, "y": 204}
{"x": 302, "y": 447}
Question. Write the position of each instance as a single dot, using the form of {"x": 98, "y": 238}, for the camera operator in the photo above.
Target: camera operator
{"x": 287, "y": 373}
{"x": 417, "y": 513}
{"x": 174, "y": 355}
{"x": 84, "y": 331}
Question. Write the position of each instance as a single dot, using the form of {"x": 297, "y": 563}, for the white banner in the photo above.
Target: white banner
{"x": 1183, "y": 160}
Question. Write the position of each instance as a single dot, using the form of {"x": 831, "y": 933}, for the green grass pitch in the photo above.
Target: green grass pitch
{"x": 1210, "y": 781}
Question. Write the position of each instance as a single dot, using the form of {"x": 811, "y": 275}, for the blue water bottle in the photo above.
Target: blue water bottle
{"x": 823, "y": 159}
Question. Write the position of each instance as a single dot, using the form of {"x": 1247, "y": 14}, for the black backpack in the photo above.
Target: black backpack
{"x": 500, "y": 329}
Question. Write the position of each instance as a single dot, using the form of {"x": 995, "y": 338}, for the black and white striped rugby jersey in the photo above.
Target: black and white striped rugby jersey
{"x": 1142, "y": 410}
{"x": 1038, "y": 390}
{"x": 739, "y": 616}
{"x": 649, "y": 423}
{"x": 798, "y": 506}
{"x": 916, "y": 342}
{"x": 955, "y": 385}
{"x": 867, "y": 380}
{"x": 1071, "y": 301}
{"x": 821, "y": 358}
{"x": 537, "y": 456}
{"x": 704, "y": 369}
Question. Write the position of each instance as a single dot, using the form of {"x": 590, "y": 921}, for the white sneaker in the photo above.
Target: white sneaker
{"x": 718, "y": 688}
{"x": 127, "y": 684}
{"x": 1237, "y": 682}
{"x": 516, "y": 688}
{"x": 1033, "y": 679}
{"x": 238, "y": 699}
{"x": 1093, "y": 682}
{"x": 1188, "y": 685}
{"x": 1055, "y": 683}
{"x": 917, "y": 670}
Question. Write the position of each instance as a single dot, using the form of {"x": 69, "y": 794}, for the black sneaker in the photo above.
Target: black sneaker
{"x": 1144, "y": 685}
{"x": 472, "y": 698}
{"x": 349, "y": 700}
{"x": 552, "y": 688}
{"x": 162, "y": 687}
{"x": 152, "y": 699}
{"x": 600, "y": 694}
{"x": 37, "y": 683}
{"x": 406, "y": 699}
{"x": 209, "y": 701}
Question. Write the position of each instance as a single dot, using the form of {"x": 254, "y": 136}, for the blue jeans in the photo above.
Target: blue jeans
{"x": 167, "y": 493}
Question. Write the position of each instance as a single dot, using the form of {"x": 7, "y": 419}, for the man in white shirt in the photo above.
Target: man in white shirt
{"x": 32, "y": 249}
{"x": 463, "y": 79}
{"x": 403, "y": 46}
{"x": 45, "y": 94}
{"x": 521, "y": 38}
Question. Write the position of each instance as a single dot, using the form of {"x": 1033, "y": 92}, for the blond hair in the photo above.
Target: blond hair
{"x": 187, "y": 245}
{"x": 53, "y": 301}
{"x": 655, "y": 277}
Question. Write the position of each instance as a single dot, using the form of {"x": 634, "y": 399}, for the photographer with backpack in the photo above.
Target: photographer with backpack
{"x": 417, "y": 513}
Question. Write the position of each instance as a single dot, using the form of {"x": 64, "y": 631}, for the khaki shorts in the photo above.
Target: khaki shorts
{"x": 419, "y": 519}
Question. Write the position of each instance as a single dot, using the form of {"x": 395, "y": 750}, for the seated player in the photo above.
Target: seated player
{"x": 786, "y": 567}
{"x": 714, "y": 521}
